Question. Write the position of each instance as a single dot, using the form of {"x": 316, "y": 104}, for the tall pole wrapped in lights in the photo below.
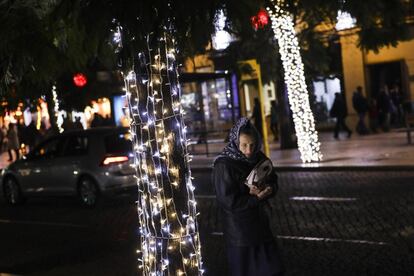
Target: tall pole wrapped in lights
{"x": 170, "y": 243}
{"x": 56, "y": 108}
{"x": 307, "y": 136}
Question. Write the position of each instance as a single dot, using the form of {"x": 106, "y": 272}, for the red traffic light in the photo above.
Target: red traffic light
{"x": 80, "y": 80}
{"x": 260, "y": 20}
{"x": 263, "y": 18}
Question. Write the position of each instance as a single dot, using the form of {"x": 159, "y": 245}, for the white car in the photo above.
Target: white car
{"x": 84, "y": 163}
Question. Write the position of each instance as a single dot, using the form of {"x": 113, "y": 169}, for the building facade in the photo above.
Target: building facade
{"x": 389, "y": 67}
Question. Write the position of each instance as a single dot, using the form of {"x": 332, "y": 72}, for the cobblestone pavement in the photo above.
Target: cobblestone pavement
{"x": 333, "y": 223}
{"x": 327, "y": 223}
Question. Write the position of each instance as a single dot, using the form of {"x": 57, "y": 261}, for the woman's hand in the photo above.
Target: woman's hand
{"x": 261, "y": 193}
{"x": 254, "y": 190}
{"x": 265, "y": 193}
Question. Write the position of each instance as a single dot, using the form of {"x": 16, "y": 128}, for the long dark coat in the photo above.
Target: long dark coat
{"x": 245, "y": 221}
{"x": 338, "y": 109}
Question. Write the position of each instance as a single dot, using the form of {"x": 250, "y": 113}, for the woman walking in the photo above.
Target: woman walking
{"x": 4, "y": 142}
{"x": 251, "y": 249}
{"x": 13, "y": 141}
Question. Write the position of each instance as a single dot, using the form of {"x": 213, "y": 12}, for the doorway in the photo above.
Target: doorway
{"x": 385, "y": 74}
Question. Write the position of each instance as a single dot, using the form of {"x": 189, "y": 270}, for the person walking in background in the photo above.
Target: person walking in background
{"x": 251, "y": 248}
{"x": 1, "y": 141}
{"x": 33, "y": 135}
{"x": 77, "y": 124}
{"x": 2, "y": 137}
{"x": 257, "y": 116}
{"x": 67, "y": 124}
{"x": 339, "y": 112}
{"x": 360, "y": 104}
{"x": 42, "y": 132}
{"x": 13, "y": 142}
{"x": 4, "y": 140}
{"x": 22, "y": 135}
{"x": 107, "y": 121}
{"x": 384, "y": 107}
{"x": 373, "y": 115}
{"x": 98, "y": 120}
{"x": 396, "y": 106}
{"x": 273, "y": 120}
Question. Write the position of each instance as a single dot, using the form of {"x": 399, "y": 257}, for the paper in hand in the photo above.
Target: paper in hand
{"x": 259, "y": 174}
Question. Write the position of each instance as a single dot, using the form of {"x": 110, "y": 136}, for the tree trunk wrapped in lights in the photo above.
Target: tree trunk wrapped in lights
{"x": 170, "y": 243}
{"x": 307, "y": 136}
{"x": 58, "y": 116}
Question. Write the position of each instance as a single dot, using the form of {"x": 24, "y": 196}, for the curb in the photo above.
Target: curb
{"x": 325, "y": 168}
{"x": 346, "y": 168}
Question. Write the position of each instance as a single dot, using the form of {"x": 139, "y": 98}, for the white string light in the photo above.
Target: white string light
{"x": 170, "y": 243}
{"x": 58, "y": 113}
{"x": 307, "y": 136}
{"x": 344, "y": 20}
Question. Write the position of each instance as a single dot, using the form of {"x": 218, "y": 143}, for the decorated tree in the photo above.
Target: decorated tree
{"x": 149, "y": 38}
{"x": 378, "y": 23}
{"x": 148, "y": 43}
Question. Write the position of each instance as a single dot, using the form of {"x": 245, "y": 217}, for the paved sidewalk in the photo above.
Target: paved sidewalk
{"x": 384, "y": 150}
{"x": 332, "y": 223}
{"x": 326, "y": 223}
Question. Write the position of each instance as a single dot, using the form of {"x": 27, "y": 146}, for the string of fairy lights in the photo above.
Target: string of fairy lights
{"x": 307, "y": 136}
{"x": 166, "y": 206}
{"x": 170, "y": 243}
{"x": 56, "y": 108}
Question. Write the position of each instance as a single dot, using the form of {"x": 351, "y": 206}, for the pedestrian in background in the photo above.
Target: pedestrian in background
{"x": 67, "y": 124}
{"x": 257, "y": 116}
{"x": 384, "y": 108}
{"x": 273, "y": 120}
{"x": 97, "y": 121}
{"x": 339, "y": 112}
{"x": 360, "y": 104}
{"x": 251, "y": 248}
{"x": 397, "y": 118}
{"x": 43, "y": 132}
{"x": 13, "y": 142}
{"x": 2, "y": 137}
{"x": 33, "y": 135}
{"x": 22, "y": 135}
{"x": 77, "y": 124}
{"x": 373, "y": 115}
{"x": 4, "y": 140}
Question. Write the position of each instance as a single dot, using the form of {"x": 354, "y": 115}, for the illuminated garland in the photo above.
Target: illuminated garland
{"x": 59, "y": 119}
{"x": 170, "y": 243}
{"x": 344, "y": 20}
{"x": 307, "y": 136}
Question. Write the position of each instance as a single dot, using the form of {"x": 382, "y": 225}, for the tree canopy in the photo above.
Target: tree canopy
{"x": 42, "y": 40}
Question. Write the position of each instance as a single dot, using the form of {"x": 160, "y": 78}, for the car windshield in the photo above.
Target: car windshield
{"x": 118, "y": 143}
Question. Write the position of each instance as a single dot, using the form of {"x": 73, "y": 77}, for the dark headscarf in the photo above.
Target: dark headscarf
{"x": 232, "y": 149}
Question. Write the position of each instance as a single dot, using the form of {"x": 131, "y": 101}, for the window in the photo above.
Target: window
{"x": 49, "y": 149}
{"x": 76, "y": 146}
{"x": 118, "y": 143}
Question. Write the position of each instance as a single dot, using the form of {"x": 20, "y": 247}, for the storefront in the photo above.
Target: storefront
{"x": 324, "y": 89}
{"x": 211, "y": 104}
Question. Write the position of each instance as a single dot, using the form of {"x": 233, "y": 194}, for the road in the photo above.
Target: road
{"x": 327, "y": 223}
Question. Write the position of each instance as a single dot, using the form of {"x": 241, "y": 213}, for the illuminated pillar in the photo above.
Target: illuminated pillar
{"x": 307, "y": 136}
{"x": 170, "y": 243}
{"x": 58, "y": 113}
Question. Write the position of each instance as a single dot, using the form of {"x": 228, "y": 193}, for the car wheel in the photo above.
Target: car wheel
{"x": 88, "y": 192}
{"x": 12, "y": 191}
